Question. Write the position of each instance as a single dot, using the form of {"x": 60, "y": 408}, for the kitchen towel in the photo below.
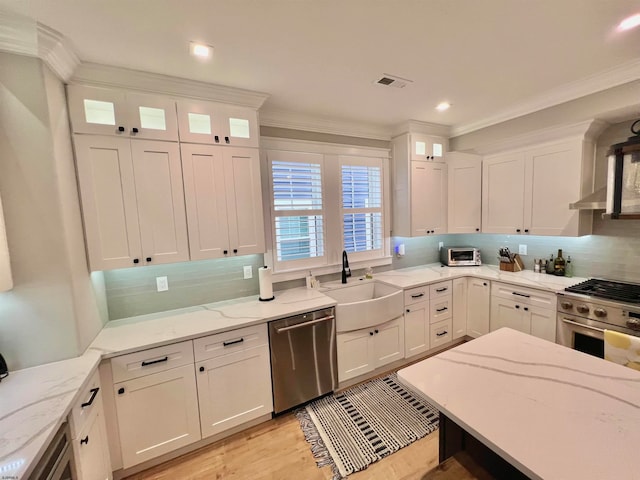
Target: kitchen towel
{"x": 266, "y": 286}
{"x": 6, "y": 280}
{"x": 622, "y": 349}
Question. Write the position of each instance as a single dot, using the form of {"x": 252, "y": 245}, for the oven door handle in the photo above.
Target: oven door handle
{"x": 566, "y": 320}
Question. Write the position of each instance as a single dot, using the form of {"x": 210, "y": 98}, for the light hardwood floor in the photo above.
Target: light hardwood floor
{"x": 277, "y": 450}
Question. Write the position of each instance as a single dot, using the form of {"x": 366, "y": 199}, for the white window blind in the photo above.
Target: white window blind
{"x": 362, "y": 202}
{"x": 298, "y": 211}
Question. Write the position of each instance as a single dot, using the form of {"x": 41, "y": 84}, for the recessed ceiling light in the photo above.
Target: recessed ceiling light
{"x": 443, "y": 106}
{"x": 629, "y": 22}
{"x": 200, "y": 50}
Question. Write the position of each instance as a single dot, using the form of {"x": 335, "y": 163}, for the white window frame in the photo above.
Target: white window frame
{"x": 332, "y": 207}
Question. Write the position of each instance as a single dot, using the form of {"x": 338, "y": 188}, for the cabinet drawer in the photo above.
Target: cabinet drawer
{"x": 440, "y": 289}
{"x": 415, "y": 295}
{"x": 440, "y": 309}
{"x": 90, "y": 396}
{"x": 154, "y": 360}
{"x": 230, "y": 342}
{"x": 528, "y": 296}
{"x": 441, "y": 333}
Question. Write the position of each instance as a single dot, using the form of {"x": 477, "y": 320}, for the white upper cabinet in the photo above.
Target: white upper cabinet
{"x": 116, "y": 112}
{"x": 464, "y": 192}
{"x": 217, "y": 124}
{"x": 224, "y": 201}
{"x": 419, "y": 192}
{"x": 528, "y": 191}
{"x": 428, "y": 147}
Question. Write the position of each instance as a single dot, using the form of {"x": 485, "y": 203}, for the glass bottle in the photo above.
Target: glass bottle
{"x": 568, "y": 268}
{"x": 549, "y": 268}
{"x": 559, "y": 264}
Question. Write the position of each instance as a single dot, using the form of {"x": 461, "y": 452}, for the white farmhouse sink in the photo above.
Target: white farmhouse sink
{"x": 364, "y": 304}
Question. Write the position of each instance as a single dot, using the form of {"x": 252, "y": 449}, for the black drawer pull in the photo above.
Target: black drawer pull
{"x": 417, "y": 295}
{"x": 441, "y": 334}
{"x": 94, "y": 392}
{"x": 441, "y": 309}
{"x": 148, "y": 259}
{"x": 440, "y": 290}
{"x": 521, "y": 294}
{"x": 121, "y": 128}
{"x": 134, "y": 130}
{"x": 85, "y": 440}
{"x": 136, "y": 260}
{"x": 216, "y": 138}
{"x": 160, "y": 360}
{"x": 226, "y": 140}
{"x": 233, "y": 342}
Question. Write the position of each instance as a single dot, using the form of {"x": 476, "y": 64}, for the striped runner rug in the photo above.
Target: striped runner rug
{"x": 352, "y": 429}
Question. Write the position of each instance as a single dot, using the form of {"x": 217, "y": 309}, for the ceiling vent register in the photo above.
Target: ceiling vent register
{"x": 387, "y": 80}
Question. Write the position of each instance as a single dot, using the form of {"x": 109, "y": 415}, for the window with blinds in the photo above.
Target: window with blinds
{"x": 362, "y": 206}
{"x": 298, "y": 210}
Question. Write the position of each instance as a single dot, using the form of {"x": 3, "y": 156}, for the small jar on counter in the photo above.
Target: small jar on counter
{"x": 536, "y": 265}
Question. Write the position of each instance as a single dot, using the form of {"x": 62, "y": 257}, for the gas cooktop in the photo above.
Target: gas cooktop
{"x": 618, "y": 291}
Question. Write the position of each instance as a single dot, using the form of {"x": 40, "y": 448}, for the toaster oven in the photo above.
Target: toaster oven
{"x": 460, "y": 256}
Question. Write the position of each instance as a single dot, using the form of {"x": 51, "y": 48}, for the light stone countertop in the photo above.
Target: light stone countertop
{"x": 35, "y": 401}
{"x": 553, "y": 412}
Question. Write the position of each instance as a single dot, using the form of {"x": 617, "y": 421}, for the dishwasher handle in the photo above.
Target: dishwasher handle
{"x": 305, "y": 324}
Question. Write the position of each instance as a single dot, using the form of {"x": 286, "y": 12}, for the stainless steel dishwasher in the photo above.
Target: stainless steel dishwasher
{"x": 303, "y": 358}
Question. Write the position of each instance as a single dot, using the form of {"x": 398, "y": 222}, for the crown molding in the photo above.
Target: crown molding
{"x": 270, "y": 117}
{"x": 18, "y": 34}
{"x": 109, "y": 76}
{"x": 417, "y": 126}
{"x": 587, "y": 130}
{"x": 619, "y": 75}
{"x": 56, "y": 52}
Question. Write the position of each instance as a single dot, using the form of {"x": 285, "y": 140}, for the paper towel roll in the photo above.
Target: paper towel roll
{"x": 266, "y": 287}
{"x": 6, "y": 280}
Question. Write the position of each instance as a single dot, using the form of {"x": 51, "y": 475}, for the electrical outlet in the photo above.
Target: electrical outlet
{"x": 248, "y": 272}
{"x": 440, "y": 245}
{"x": 162, "y": 283}
{"x": 522, "y": 249}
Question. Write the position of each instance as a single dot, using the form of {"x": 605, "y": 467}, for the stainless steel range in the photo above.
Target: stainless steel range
{"x": 586, "y": 309}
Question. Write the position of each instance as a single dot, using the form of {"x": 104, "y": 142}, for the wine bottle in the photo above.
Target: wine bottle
{"x": 568, "y": 268}
{"x": 559, "y": 264}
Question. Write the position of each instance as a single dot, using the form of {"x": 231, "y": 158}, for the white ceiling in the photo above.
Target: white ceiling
{"x": 320, "y": 57}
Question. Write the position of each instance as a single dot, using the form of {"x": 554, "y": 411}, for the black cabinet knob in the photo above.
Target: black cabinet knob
{"x": 216, "y": 138}
{"x": 517, "y": 230}
{"x": 376, "y": 331}
{"x": 477, "y": 229}
{"x": 84, "y": 440}
{"x": 201, "y": 369}
{"x": 408, "y": 311}
{"x": 121, "y": 128}
{"x": 235, "y": 250}
{"x": 148, "y": 259}
{"x": 136, "y": 260}
{"x": 134, "y": 130}
{"x": 371, "y": 333}
{"x": 484, "y": 283}
{"x": 526, "y": 309}
{"x": 225, "y": 252}
{"x": 120, "y": 390}
{"x": 526, "y": 230}
{"x": 517, "y": 306}
{"x": 226, "y": 140}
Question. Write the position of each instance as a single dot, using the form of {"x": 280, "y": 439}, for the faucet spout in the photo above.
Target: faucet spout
{"x": 346, "y": 271}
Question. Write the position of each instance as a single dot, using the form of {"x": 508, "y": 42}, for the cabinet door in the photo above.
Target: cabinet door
{"x": 427, "y": 147}
{"x": 507, "y": 313}
{"x": 206, "y": 200}
{"x": 459, "y": 297}
{"x": 157, "y": 414}
{"x": 109, "y": 205}
{"x": 388, "y": 342}
{"x": 233, "y": 389}
{"x": 464, "y": 191}
{"x": 160, "y": 198}
{"x": 416, "y": 329}
{"x": 241, "y": 126}
{"x": 355, "y": 353}
{"x": 152, "y": 117}
{"x": 478, "y": 307}
{"x": 244, "y": 201}
{"x": 543, "y": 323}
{"x": 428, "y": 198}
{"x": 201, "y": 122}
{"x": 503, "y": 180}
{"x": 553, "y": 175}
{"x": 91, "y": 448}
{"x": 98, "y": 110}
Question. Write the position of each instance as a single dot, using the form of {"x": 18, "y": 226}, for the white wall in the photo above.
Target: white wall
{"x": 51, "y": 313}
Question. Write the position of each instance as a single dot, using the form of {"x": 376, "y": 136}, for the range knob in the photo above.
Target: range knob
{"x": 582, "y": 308}
{"x": 633, "y": 324}
{"x": 600, "y": 312}
{"x": 566, "y": 305}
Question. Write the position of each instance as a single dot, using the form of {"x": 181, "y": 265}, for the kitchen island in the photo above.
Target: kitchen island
{"x": 549, "y": 411}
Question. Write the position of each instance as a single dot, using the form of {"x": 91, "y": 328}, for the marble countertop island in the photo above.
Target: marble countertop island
{"x": 550, "y": 411}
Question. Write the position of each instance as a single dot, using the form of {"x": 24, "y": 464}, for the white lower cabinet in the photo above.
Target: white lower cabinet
{"x": 478, "y": 306}
{"x": 459, "y": 314}
{"x": 416, "y": 329}
{"x": 233, "y": 387}
{"x": 362, "y": 351}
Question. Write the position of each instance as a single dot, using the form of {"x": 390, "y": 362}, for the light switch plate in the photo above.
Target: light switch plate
{"x": 522, "y": 249}
{"x": 162, "y": 283}
{"x": 248, "y": 272}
